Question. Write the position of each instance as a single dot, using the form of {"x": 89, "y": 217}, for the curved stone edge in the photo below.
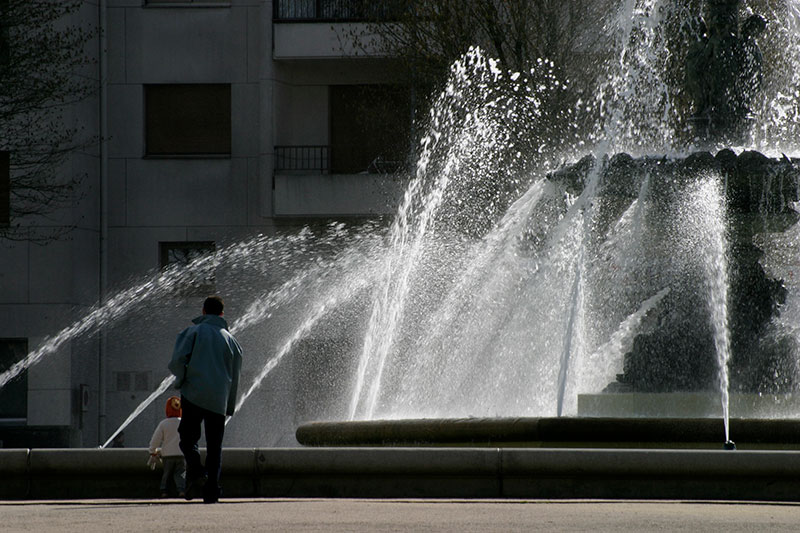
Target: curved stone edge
{"x": 569, "y": 431}
{"x": 420, "y": 473}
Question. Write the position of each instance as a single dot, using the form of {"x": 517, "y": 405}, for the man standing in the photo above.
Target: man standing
{"x": 206, "y": 363}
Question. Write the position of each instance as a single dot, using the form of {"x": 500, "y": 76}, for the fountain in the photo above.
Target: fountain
{"x": 644, "y": 279}
{"x": 613, "y": 283}
{"x": 724, "y": 73}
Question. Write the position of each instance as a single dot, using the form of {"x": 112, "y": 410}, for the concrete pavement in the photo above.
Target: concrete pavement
{"x": 335, "y": 515}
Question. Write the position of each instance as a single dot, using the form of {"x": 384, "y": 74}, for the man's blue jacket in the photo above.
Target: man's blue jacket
{"x": 206, "y": 362}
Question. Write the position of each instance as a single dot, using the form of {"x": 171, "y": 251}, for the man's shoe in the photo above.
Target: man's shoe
{"x": 194, "y": 487}
{"x": 210, "y": 495}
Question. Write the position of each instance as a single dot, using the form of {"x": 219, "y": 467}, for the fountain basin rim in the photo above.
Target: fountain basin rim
{"x": 554, "y": 432}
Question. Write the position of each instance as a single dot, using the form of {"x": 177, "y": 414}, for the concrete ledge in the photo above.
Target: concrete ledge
{"x": 52, "y": 473}
{"x": 14, "y": 473}
{"x": 379, "y": 473}
{"x": 420, "y": 473}
{"x": 649, "y": 474}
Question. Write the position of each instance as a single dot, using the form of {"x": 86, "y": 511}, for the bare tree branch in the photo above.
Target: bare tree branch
{"x": 44, "y": 69}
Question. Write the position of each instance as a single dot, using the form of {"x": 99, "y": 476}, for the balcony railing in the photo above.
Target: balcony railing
{"x": 303, "y": 158}
{"x": 334, "y": 10}
{"x": 317, "y": 159}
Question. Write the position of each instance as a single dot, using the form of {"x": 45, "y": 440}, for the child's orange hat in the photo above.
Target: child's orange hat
{"x": 173, "y": 407}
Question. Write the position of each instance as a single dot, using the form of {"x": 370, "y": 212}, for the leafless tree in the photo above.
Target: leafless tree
{"x": 43, "y": 66}
{"x": 426, "y": 36}
{"x": 546, "y": 48}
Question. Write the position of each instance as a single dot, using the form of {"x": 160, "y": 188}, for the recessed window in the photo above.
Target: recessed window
{"x": 132, "y": 381}
{"x": 14, "y": 394}
{"x": 5, "y": 48}
{"x": 141, "y": 381}
{"x": 123, "y": 381}
{"x": 187, "y": 120}
{"x": 336, "y": 10}
{"x": 194, "y": 273}
{"x": 156, "y": 2}
{"x": 5, "y": 188}
{"x": 370, "y": 126}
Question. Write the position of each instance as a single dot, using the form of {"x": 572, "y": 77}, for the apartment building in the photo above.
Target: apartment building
{"x": 217, "y": 120}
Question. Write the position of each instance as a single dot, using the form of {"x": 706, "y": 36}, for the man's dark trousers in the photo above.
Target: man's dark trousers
{"x": 189, "y": 429}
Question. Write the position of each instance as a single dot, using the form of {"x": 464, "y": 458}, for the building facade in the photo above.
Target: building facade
{"x": 216, "y": 121}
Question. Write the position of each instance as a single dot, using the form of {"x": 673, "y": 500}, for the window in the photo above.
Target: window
{"x": 5, "y": 189}
{"x": 132, "y": 381}
{"x": 370, "y": 127}
{"x": 123, "y": 381}
{"x": 336, "y": 10}
{"x": 5, "y": 48}
{"x": 187, "y": 120}
{"x": 195, "y": 279}
{"x": 156, "y": 2}
{"x": 141, "y": 381}
{"x": 14, "y": 395}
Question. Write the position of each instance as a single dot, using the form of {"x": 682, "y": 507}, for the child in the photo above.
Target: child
{"x": 166, "y": 437}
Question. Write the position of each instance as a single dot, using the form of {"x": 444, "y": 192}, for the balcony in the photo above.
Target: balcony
{"x": 334, "y": 10}
{"x": 305, "y": 186}
{"x": 303, "y": 159}
{"x": 320, "y": 29}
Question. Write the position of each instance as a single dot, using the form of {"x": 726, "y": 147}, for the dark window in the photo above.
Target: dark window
{"x": 132, "y": 381}
{"x": 141, "y": 381}
{"x": 187, "y": 120}
{"x": 337, "y": 10}
{"x": 14, "y": 395}
{"x": 5, "y": 189}
{"x": 123, "y": 381}
{"x": 196, "y": 278}
{"x": 153, "y": 2}
{"x": 5, "y": 49}
{"x": 370, "y": 126}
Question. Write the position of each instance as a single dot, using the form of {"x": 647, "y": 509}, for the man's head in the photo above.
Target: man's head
{"x": 213, "y": 306}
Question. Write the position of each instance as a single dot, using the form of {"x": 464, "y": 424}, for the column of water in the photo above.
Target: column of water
{"x": 706, "y": 218}
{"x": 452, "y": 134}
{"x": 716, "y": 264}
{"x": 582, "y": 208}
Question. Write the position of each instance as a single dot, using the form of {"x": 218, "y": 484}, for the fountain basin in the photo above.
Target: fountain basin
{"x": 564, "y": 432}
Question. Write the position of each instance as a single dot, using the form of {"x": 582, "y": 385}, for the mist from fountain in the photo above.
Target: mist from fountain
{"x": 332, "y": 280}
{"x": 125, "y": 301}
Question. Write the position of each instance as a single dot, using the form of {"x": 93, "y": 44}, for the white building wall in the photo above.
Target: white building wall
{"x": 278, "y": 97}
{"x": 44, "y": 285}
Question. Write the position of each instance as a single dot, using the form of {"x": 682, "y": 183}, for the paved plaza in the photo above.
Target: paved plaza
{"x": 332, "y": 515}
